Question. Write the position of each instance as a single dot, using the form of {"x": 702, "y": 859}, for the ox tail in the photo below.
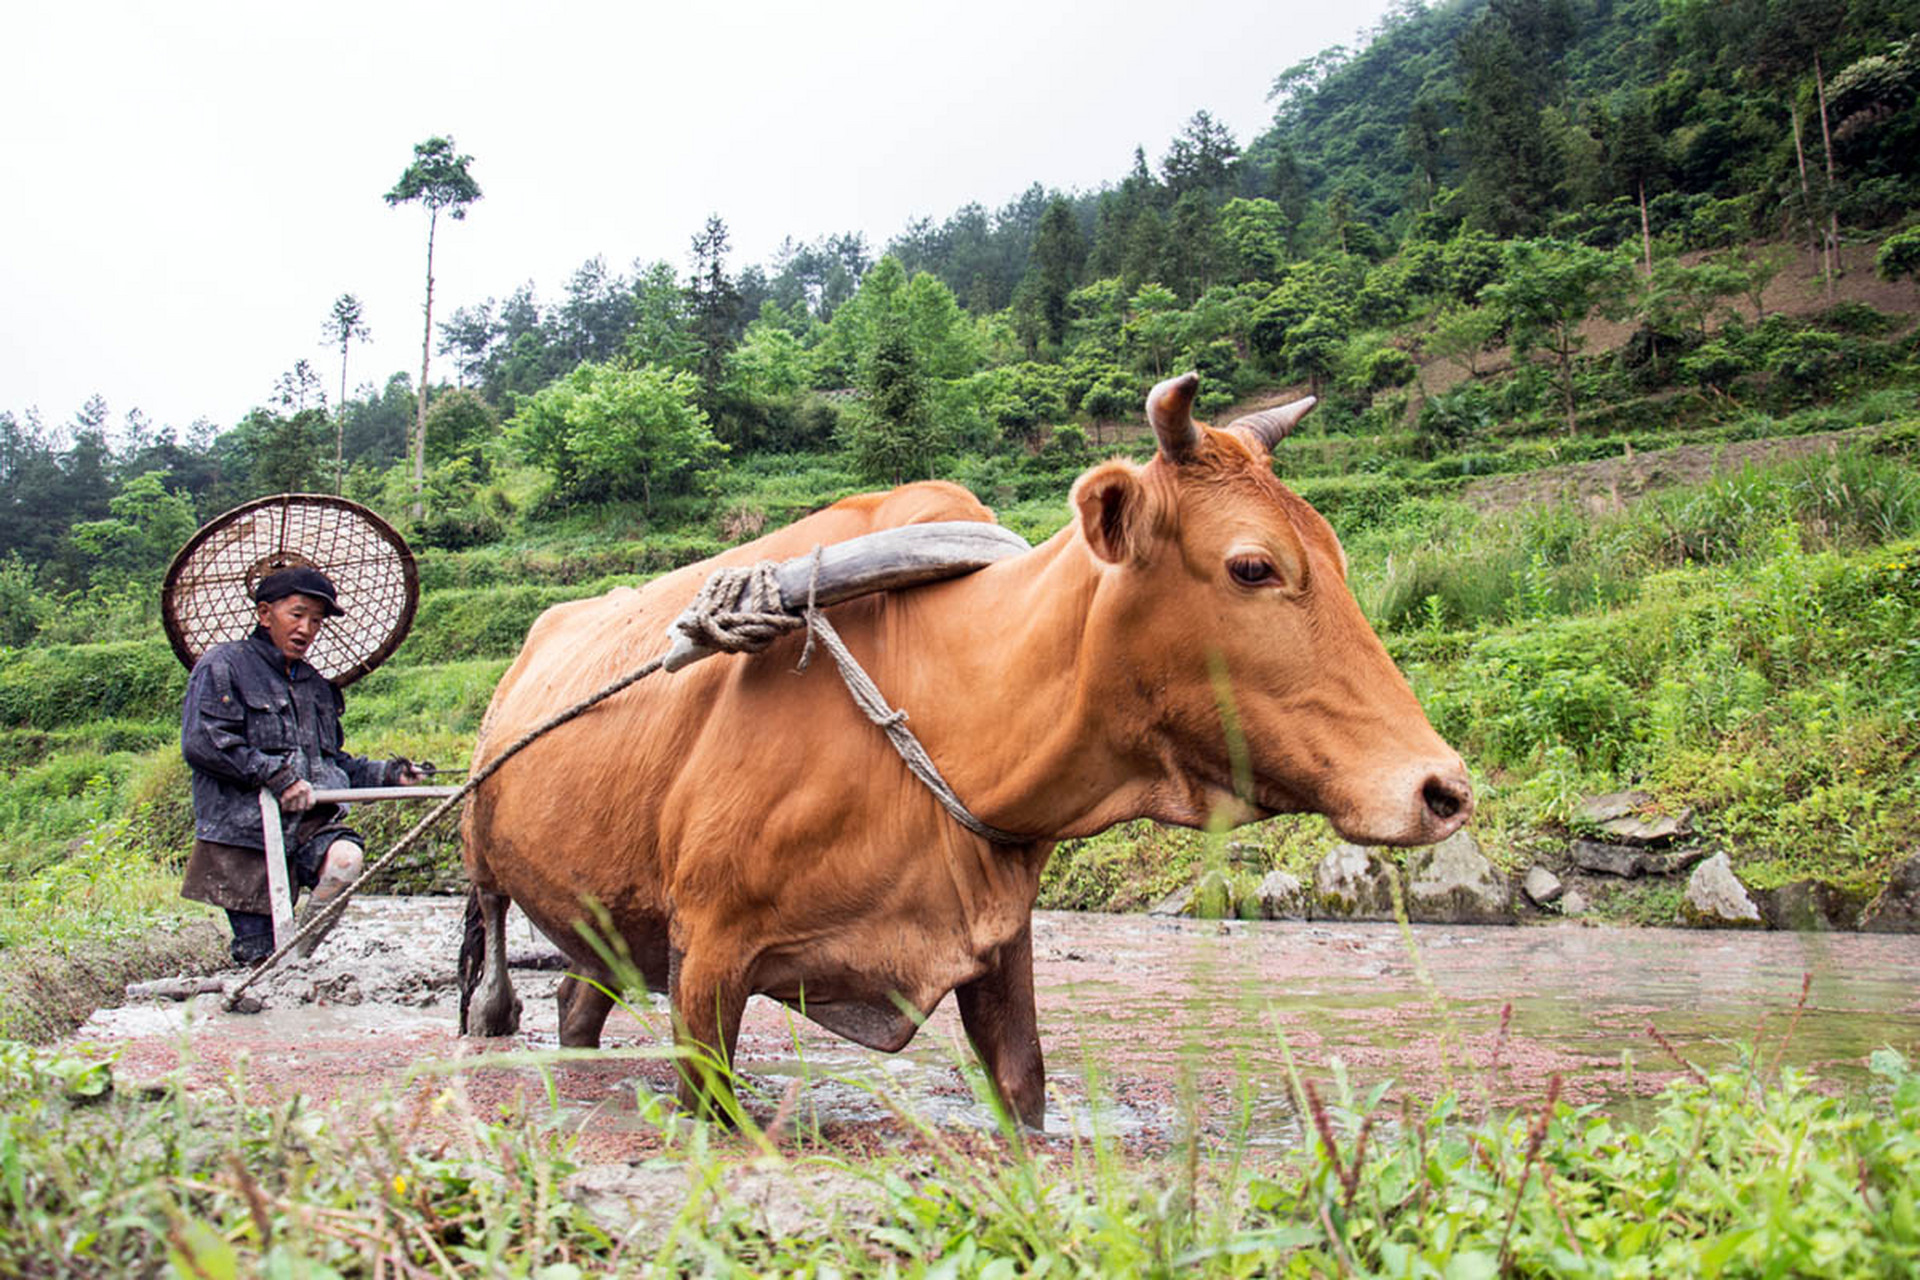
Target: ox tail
{"x": 473, "y": 953}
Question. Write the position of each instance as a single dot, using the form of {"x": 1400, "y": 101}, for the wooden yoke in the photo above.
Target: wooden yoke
{"x": 888, "y": 560}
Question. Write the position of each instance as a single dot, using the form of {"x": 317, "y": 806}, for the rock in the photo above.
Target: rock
{"x": 1715, "y": 898}
{"x": 1606, "y": 859}
{"x": 1574, "y": 903}
{"x": 1453, "y": 883}
{"x": 1353, "y": 883}
{"x": 1281, "y": 897}
{"x": 1810, "y": 906}
{"x": 1627, "y": 862}
{"x": 1596, "y": 810}
{"x": 175, "y": 988}
{"x": 1541, "y": 886}
{"x": 1897, "y": 909}
{"x": 1661, "y": 829}
{"x": 1177, "y": 903}
{"x": 1672, "y": 862}
{"x": 1211, "y": 897}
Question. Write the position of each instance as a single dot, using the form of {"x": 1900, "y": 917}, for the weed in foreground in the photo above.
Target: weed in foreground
{"x": 1749, "y": 1171}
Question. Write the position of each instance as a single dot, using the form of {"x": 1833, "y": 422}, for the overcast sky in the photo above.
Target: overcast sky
{"x": 191, "y": 185}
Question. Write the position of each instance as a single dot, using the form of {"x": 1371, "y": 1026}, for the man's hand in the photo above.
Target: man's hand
{"x": 410, "y": 776}
{"x": 297, "y": 798}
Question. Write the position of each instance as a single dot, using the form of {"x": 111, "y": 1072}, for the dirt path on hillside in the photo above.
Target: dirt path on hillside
{"x": 1607, "y": 485}
{"x": 1149, "y": 1026}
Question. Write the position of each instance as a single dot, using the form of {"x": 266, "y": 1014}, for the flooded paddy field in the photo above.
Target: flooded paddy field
{"x": 1149, "y": 1026}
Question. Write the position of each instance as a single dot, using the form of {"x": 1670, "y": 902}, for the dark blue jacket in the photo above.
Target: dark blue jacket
{"x": 253, "y": 719}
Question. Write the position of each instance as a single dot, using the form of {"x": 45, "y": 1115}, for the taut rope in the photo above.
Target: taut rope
{"x": 738, "y": 610}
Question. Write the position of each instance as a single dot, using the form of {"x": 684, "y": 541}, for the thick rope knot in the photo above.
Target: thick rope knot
{"x": 739, "y": 610}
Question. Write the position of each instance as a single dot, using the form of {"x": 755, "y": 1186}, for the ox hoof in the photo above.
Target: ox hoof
{"x": 493, "y": 1017}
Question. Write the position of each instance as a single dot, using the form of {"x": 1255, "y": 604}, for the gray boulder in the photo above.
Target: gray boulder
{"x": 1281, "y": 897}
{"x": 1453, "y": 883}
{"x": 1660, "y": 829}
{"x": 1595, "y": 810}
{"x": 1715, "y": 898}
{"x": 1606, "y": 859}
{"x": 1211, "y": 897}
{"x": 1177, "y": 903}
{"x": 1897, "y": 909}
{"x": 1810, "y": 906}
{"x": 1628, "y": 861}
{"x": 1542, "y": 887}
{"x": 1353, "y": 883}
{"x": 1574, "y": 903}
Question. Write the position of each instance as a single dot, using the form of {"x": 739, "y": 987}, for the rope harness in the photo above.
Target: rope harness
{"x": 737, "y": 610}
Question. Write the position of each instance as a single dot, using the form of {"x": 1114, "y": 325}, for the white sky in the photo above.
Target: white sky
{"x": 191, "y": 185}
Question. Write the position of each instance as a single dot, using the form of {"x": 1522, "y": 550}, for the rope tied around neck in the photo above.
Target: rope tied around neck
{"x": 737, "y": 610}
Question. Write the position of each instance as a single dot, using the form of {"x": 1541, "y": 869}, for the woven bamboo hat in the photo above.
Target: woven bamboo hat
{"x": 207, "y": 598}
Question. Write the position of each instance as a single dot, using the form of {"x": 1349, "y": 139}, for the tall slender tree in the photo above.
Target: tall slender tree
{"x": 713, "y": 305}
{"x": 343, "y": 327}
{"x": 438, "y": 179}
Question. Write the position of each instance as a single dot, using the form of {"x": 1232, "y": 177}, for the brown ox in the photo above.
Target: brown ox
{"x": 1185, "y": 649}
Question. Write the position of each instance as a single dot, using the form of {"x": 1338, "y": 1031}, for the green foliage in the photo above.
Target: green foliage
{"x": 53, "y": 686}
{"x": 146, "y": 526}
{"x": 1899, "y": 256}
{"x": 1454, "y": 417}
{"x": 460, "y": 425}
{"x": 1461, "y": 335}
{"x": 437, "y": 179}
{"x": 1022, "y": 400}
{"x": 1548, "y": 290}
{"x": 606, "y": 432}
{"x": 890, "y": 434}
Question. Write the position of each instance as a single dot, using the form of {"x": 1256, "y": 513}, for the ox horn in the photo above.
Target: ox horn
{"x": 1271, "y": 426}
{"x": 1170, "y": 410}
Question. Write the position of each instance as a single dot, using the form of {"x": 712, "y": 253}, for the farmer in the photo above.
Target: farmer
{"x": 257, "y": 715}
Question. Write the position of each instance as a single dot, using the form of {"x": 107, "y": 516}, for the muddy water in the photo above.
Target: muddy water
{"x": 1149, "y": 1025}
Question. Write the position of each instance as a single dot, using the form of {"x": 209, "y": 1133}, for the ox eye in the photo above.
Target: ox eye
{"x": 1250, "y": 571}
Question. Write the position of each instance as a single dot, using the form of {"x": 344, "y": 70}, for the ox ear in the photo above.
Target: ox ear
{"x": 1170, "y": 411}
{"x": 1270, "y": 426}
{"x": 1113, "y": 512}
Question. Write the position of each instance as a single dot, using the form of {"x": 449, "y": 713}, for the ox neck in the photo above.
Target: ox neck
{"x": 1002, "y": 674}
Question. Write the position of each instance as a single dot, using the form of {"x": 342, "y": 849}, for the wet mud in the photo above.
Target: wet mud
{"x": 1151, "y": 1027}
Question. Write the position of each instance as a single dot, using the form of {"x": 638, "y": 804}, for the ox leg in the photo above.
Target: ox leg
{"x": 997, "y": 1011}
{"x": 707, "y": 1003}
{"x": 583, "y": 1006}
{"x": 491, "y": 1008}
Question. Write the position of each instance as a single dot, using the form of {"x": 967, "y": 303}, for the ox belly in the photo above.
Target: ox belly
{"x": 837, "y": 984}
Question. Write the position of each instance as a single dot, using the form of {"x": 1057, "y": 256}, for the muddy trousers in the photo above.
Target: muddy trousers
{"x": 252, "y": 937}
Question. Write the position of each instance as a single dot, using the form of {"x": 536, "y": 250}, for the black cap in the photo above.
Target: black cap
{"x": 298, "y": 582}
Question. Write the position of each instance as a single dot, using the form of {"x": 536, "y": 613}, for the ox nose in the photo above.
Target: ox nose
{"x": 1448, "y": 797}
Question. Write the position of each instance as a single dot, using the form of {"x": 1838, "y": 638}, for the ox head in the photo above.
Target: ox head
{"x": 1244, "y": 662}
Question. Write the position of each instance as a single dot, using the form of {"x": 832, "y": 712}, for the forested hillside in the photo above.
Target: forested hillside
{"x": 1492, "y": 237}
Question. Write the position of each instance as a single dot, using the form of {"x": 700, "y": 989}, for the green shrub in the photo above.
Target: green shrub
{"x": 1452, "y": 417}
{"x": 54, "y": 686}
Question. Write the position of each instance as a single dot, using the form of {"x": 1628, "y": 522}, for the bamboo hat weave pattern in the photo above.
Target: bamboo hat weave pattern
{"x": 207, "y": 597}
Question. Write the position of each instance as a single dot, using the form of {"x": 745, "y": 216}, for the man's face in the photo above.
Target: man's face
{"x": 292, "y": 622}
